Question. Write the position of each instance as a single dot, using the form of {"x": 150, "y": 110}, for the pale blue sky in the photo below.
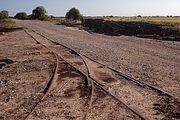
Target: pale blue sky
{"x": 96, "y": 7}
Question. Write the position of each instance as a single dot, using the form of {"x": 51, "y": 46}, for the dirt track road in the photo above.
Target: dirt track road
{"x": 155, "y": 62}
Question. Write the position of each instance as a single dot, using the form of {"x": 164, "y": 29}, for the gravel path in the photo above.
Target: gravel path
{"x": 155, "y": 62}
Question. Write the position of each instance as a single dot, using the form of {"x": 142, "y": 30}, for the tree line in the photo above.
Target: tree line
{"x": 40, "y": 14}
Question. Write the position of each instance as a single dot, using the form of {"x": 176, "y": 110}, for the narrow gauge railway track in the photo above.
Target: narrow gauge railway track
{"x": 88, "y": 82}
{"x": 96, "y": 82}
{"x": 92, "y": 82}
{"x": 54, "y": 77}
{"x": 127, "y": 77}
{"x": 50, "y": 82}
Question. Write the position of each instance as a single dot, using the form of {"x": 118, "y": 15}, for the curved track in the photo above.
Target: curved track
{"x": 90, "y": 80}
{"x": 50, "y": 82}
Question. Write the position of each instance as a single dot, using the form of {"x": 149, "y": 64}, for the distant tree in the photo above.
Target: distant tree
{"x": 139, "y": 16}
{"x": 51, "y": 16}
{"x": 4, "y": 14}
{"x": 74, "y": 14}
{"x": 39, "y": 13}
{"x": 170, "y": 16}
{"x": 30, "y": 17}
{"x": 11, "y": 17}
{"x": 21, "y": 15}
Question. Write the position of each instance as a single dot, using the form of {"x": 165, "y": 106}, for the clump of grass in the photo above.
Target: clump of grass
{"x": 63, "y": 21}
{"x": 7, "y": 23}
{"x": 70, "y": 22}
{"x": 56, "y": 20}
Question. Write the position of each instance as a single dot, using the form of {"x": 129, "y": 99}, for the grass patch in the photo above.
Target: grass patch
{"x": 63, "y": 21}
{"x": 56, "y": 20}
{"x": 7, "y": 23}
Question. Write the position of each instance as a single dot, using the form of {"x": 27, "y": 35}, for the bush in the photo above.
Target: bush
{"x": 21, "y": 15}
{"x": 139, "y": 16}
{"x": 51, "y": 16}
{"x": 30, "y": 17}
{"x": 74, "y": 14}
{"x": 4, "y": 14}
{"x": 7, "y": 23}
{"x": 43, "y": 17}
{"x": 39, "y": 13}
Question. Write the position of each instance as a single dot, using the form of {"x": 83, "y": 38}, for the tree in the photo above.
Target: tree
{"x": 21, "y": 15}
{"x": 74, "y": 14}
{"x": 139, "y": 16}
{"x": 4, "y": 14}
{"x": 39, "y": 13}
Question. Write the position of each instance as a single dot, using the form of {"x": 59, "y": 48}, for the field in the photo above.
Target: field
{"x": 162, "y": 28}
{"x": 173, "y": 20}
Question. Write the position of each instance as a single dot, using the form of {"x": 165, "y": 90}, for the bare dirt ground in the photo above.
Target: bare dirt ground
{"x": 155, "y": 62}
{"x": 25, "y": 70}
{"x": 37, "y": 80}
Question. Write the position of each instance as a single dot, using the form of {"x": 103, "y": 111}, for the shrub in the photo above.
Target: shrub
{"x": 4, "y": 14}
{"x": 139, "y": 16}
{"x": 30, "y": 17}
{"x": 39, "y": 13}
{"x": 21, "y": 15}
{"x": 74, "y": 14}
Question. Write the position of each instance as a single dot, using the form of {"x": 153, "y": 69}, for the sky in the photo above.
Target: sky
{"x": 96, "y": 7}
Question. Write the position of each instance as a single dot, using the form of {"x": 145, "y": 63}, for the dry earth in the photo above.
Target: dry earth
{"x": 155, "y": 62}
{"x": 26, "y": 68}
